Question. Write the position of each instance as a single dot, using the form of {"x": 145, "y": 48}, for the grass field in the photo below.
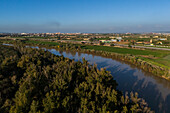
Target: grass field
{"x": 158, "y": 57}
{"x": 165, "y": 60}
{"x": 156, "y": 53}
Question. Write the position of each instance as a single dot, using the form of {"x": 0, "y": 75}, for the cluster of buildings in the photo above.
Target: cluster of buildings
{"x": 147, "y": 38}
{"x": 113, "y": 39}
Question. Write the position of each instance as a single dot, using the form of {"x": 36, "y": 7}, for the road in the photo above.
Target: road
{"x": 143, "y": 47}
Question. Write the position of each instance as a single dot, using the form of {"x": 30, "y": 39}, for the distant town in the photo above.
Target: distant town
{"x": 107, "y": 39}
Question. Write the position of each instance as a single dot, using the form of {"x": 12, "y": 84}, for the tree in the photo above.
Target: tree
{"x": 112, "y": 44}
{"x": 102, "y": 43}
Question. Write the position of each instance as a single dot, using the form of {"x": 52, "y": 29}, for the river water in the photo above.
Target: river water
{"x": 155, "y": 90}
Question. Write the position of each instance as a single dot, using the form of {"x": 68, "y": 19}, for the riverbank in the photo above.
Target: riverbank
{"x": 153, "y": 61}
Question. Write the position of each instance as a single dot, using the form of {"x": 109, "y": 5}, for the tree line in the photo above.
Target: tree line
{"x": 36, "y": 81}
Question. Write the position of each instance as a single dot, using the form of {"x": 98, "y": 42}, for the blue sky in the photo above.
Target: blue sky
{"x": 84, "y": 15}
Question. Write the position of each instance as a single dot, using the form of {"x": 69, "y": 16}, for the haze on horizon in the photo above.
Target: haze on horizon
{"x": 101, "y": 16}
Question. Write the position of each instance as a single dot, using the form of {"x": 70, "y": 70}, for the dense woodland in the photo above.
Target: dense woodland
{"x": 35, "y": 81}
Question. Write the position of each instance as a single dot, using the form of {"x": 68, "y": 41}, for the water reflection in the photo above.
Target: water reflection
{"x": 155, "y": 90}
